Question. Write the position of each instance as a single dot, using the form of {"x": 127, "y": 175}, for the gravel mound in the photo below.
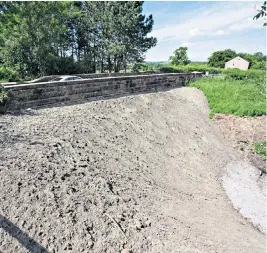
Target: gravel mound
{"x": 140, "y": 172}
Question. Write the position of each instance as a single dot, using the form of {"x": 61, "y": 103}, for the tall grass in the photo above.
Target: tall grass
{"x": 257, "y": 77}
{"x": 229, "y": 96}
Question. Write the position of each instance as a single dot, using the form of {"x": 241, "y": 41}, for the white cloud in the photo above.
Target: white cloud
{"x": 207, "y": 29}
{"x": 186, "y": 44}
{"x": 201, "y": 50}
{"x": 195, "y": 32}
{"x": 249, "y": 23}
{"x": 211, "y": 21}
{"x": 220, "y": 32}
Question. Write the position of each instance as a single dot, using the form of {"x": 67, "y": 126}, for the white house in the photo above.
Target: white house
{"x": 237, "y": 63}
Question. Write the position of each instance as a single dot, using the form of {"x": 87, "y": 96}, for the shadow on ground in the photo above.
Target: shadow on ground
{"x": 23, "y": 238}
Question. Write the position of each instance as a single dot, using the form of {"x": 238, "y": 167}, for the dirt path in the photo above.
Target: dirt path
{"x": 141, "y": 172}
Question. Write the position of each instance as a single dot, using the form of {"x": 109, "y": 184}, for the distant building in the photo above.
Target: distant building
{"x": 237, "y": 63}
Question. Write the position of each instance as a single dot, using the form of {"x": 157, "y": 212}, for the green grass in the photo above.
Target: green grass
{"x": 238, "y": 97}
{"x": 260, "y": 149}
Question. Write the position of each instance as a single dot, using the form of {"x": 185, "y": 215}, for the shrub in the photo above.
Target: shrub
{"x": 200, "y": 67}
{"x": 3, "y": 99}
{"x": 259, "y": 65}
{"x": 257, "y": 77}
{"x": 237, "y": 74}
{"x": 169, "y": 69}
{"x": 3, "y": 95}
{"x": 7, "y": 74}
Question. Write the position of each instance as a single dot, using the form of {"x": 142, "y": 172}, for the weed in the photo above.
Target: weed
{"x": 260, "y": 149}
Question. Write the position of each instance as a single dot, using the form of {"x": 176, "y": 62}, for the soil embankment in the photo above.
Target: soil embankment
{"x": 243, "y": 133}
{"x": 142, "y": 172}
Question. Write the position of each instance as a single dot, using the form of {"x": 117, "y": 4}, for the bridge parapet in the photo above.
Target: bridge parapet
{"x": 48, "y": 93}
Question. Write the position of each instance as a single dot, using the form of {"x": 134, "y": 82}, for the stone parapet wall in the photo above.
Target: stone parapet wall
{"x": 46, "y": 93}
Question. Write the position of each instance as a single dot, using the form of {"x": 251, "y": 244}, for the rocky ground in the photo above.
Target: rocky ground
{"x": 141, "y": 172}
{"x": 242, "y": 133}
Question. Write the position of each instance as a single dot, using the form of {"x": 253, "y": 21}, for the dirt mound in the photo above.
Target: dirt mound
{"x": 243, "y": 133}
{"x": 140, "y": 172}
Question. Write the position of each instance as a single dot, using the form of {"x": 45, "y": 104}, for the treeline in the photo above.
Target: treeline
{"x": 180, "y": 63}
{"x": 219, "y": 58}
{"x": 45, "y": 38}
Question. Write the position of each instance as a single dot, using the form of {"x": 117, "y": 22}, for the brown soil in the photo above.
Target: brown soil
{"x": 242, "y": 133}
{"x": 140, "y": 172}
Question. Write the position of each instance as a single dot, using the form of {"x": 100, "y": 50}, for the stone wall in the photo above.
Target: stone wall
{"x": 47, "y": 93}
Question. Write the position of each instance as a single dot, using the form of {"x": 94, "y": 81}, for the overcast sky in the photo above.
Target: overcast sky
{"x": 204, "y": 27}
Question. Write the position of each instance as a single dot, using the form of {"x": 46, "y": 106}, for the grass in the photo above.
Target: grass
{"x": 238, "y": 97}
{"x": 260, "y": 149}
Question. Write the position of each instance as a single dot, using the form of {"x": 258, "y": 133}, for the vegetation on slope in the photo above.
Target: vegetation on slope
{"x": 241, "y": 95}
{"x": 232, "y": 97}
{"x": 260, "y": 149}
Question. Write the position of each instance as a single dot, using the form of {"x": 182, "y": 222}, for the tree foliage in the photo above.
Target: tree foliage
{"x": 44, "y": 38}
{"x": 262, "y": 13}
{"x": 219, "y": 58}
{"x": 180, "y": 57}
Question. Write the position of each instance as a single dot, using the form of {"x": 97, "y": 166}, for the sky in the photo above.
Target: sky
{"x": 204, "y": 27}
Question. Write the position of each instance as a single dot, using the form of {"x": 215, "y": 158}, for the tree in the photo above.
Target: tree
{"x": 44, "y": 38}
{"x": 33, "y": 36}
{"x": 180, "y": 57}
{"x": 260, "y": 61}
{"x": 219, "y": 58}
{"x": 261, "y": 13}
{"x": 259, "y": 56}
{"x": 128, "y": 41}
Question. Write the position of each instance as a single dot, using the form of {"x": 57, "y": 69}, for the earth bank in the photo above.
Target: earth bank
{"x": 141, "y": 172}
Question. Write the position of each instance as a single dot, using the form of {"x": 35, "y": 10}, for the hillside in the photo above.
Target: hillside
{"x": 145, "y": 172}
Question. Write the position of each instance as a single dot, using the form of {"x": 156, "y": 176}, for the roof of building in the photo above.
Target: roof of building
{"x": 238, "y": 58}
